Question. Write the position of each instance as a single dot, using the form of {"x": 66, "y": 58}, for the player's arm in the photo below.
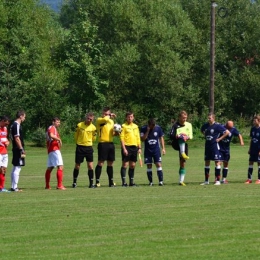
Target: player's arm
{"x": 54, "y": 137}
{"x": 76, "y": 135}
{"x": 145, "y": 135}
{"x": 225, "y": 134}
{"x": 19, "y": 143}
{"x": 240, "y": 137}
{"x": 163, "y": 145}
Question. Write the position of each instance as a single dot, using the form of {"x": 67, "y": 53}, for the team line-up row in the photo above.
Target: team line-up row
{"x": 217, "y": 148}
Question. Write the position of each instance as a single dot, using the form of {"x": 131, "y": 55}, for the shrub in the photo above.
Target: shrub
{"x": 39, "y": 137}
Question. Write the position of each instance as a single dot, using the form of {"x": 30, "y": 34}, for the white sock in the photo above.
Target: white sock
{"x": 15, "y": 174}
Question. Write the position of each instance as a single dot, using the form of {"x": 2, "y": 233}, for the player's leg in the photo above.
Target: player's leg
{"x": 225, "y": 172}
{"x": 158, "y": 163}
{"x": 252, "y": 158}
{"x": 110, "y": 161}
{"x": 125, "y": 164}
{"x": 182, "y": 143}
{"x": 133, "y": 151}
{"x": 182, "y": 172}
{"x": 102, "y": 155}
{"x": 15, "y": 173}
{"x": 217, "y": 172}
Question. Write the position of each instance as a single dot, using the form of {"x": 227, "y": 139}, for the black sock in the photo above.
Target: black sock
{"x": 110, "y": 174}
{"x": 150, "y": 176}
{"x": 131, "y": 173}
{"x": 98, "y": 170}
{"x": 90, "y": 176}
{"x": 75, "y": 175}
{"x": 160, "y": 175}
{"x": 123, "y": 175}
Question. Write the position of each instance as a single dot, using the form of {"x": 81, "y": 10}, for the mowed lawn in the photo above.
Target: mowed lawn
{"x": 169, "y": 222}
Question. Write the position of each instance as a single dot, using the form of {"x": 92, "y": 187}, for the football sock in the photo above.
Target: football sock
{"x": 110, "y": 174}
{"x": 90, "y": 176}
{"x": 131, "y": 173}
{"x": 250, "y": 172}
{"x": 217, "y": 172}
{"x": 75, "y": 175}
{"x": 15, "y": 176}
{"x": 123, "y": 175}
{"x": 2, "y": 180}
{"x": 258, "y": 173}
{"x": 207, "y": 170}
{"x": 160, "y": 174}
{"x": 224, "y": 173}
{"x": 182, "y": 172}
{"x": 98, "y": 170}
{"x": 47, "y": 178}
{"x": 59, "y": 176}
{"x": 150, "y": 175}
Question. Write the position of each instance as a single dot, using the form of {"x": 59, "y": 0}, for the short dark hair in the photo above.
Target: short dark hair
{"x": 20, "y": 113}
{"x": 105, "y": 109}
{"x": 151, "y": 121}
{"x": 128, "y": 113}
{"x": 54, "y": 119}
{"x": 4, "y": 118}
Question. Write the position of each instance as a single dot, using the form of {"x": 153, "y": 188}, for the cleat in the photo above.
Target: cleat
{"x": 257, "y": 181}
{"x": 61, "y": 188}
{"x": 4, "y": 190}
{"x": 74, "y": 185}
{"x": 182, "y": 184}
{"x": 98, "y": 185}
{"x": 124, "y": 185}
{"x": 133, "y": 185}
{"x": 205, "y": 183}
{"x": 47, "y": 188}
{"x": 16, "y": 190}
{"x": 248, "y": 181}
{"x": 112, "y": 186}
{"x": 160, "y": 183}
{"x": 92, "y": 186}
{"x": 150, "y": 184}
{"x": 184, "y": 156}
{"x": 217, "y": 183}
{"x": 224, "y": 182}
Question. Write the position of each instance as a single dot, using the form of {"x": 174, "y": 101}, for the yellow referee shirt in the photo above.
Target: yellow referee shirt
{"x": 130, "y": 134}
{"x": 85, "y": 134}
{"x": 105, "y": 129}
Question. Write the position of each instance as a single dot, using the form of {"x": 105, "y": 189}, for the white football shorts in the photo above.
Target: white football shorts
{"x": 3, "y": 160}
{"x": 54, "y": 159}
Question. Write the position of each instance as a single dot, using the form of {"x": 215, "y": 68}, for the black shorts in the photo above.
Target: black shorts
{"x": 106, "y": 152}
{"x": 17, "y": 160}
{"x": 132, "y": 154}
{"x": 83, "y": 152}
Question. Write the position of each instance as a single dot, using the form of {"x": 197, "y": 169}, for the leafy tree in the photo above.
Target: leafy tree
{"x": 29, "y": 77}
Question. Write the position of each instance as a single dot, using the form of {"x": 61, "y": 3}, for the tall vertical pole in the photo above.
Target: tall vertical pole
{"x": 212, "y": 56}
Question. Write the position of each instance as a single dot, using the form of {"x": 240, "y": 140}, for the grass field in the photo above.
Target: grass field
{"x": 169, "y": 222}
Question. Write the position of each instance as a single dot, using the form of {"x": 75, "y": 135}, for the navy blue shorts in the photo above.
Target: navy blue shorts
{"x": 254, "y": 157}
{"x": 150, "y": 158}
{"x": 212, "y": 154}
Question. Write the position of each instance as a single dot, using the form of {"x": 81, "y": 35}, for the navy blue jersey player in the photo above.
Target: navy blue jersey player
{"x": 153, "y": 137}
{"x": 254, "y": 150}
{"x": 214, "y": 133}
{"x": 225, "y": 148}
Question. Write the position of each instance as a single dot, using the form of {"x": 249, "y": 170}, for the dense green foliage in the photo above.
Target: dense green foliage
{"x": 151, "y": 57}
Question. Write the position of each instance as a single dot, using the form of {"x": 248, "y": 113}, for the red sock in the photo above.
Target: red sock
{"x": 59, "y": 177}
{"x": 2, "y": 180}
{"x": 47, "y": 178}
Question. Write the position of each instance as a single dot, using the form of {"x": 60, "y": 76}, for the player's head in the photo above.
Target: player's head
{"x": 182, "y": 117}
{"x": 56, "y": 121}
{"x": 229, "y": 124}
{"x": 129, "y": 116}
{"x": 211, "y": 118}
{"x": 106, "y": 111}
{"x": 256, "y": 120}
{"x": 20, "y": 114}
{"x": 4, "y": 121}
{"x": 151, "y": 123}
{"x": 89, "y": 118}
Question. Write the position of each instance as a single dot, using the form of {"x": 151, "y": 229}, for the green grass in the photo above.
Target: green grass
{"x": 170, "y": 222}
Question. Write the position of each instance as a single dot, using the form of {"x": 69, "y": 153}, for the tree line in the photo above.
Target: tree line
{"x": 150, "y": 57}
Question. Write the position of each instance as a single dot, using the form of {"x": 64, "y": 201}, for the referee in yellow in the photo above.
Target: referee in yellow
{"x": 106, "y": 147}
{"x": 84, "y": 136}
{"x": 130, "y": 147}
